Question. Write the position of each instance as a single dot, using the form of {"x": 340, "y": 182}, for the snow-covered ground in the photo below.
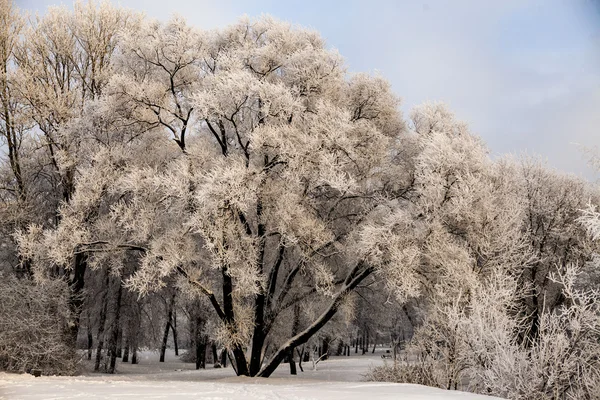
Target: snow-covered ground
{"x": 337, "y": 378}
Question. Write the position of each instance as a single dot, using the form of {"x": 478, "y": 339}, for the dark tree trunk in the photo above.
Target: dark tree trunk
{"x": 340, "y": 348}
{"x": 120, "y": 342}
{"x": 325, "y": 349}
{"x": 224, "y": 359}
{"x": 356, "y": 345}
{"x": 134, "y": 359}
{"x": 295, "y": 329}
{"x": 102, "y": 322}
{"x": 163, "y": 346}
{"x": 292, "y": 362}
{"x": 201, "y": 352}
{"x": 90, "y": 342}
{"x": 76, "y": 284}
{"x": 363, "y": 344}
{"x": 126, "y": 351}
{"x": 132, "y": 333}
{"x": 301, "y": 358}
{"x": 241, "y": 365}
{"x": 214, "y": 354}
{"x": 115, "y": 330}
{"x": 174, "y": 329}
{"x": 374, "y": 345}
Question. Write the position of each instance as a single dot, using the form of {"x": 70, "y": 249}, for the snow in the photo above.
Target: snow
{"x": 337, "y": 378}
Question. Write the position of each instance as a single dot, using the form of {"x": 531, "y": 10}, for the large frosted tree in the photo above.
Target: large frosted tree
{"x": 248, "y": 166}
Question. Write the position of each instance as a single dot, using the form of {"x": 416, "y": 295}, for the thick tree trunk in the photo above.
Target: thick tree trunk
{"x": 112, "y": 349}
{"x": 102, "y": 322}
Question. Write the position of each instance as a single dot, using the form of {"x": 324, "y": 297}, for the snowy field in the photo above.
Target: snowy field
{"x": 337, "y": 378}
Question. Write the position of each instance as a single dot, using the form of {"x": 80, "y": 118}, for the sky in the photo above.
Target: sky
{"x": 524, "y": 74}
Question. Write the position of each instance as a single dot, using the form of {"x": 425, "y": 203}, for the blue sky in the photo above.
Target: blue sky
{"x": 525, "y": 75}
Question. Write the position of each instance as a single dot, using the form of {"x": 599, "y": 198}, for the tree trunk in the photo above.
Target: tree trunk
{"x": 224, "y": 358}
{"x": 134, "y": 359}
{"x": 90, "y": 343}
{"x": 214, "y": 354}
{"x": 102, "y": 322}
{"x": 120, "y": 342}
{"x": 174, "y": 329}
{"x": 201, "y": 352}
{"x": 163, "y": 346}
{"x": 301, "y": 358}
{"x": 325, "y": 349}
{"x": 365, "y": 343}
{"x": 133, "y": 332}
{"x": 241, "y": 365}
{"x": 374, "y": 345}
{"x": 115, "y": 330}
{"x": 126, "y": 351}
{"x": 292, "y": 362}
{"x": 76, "y": 284}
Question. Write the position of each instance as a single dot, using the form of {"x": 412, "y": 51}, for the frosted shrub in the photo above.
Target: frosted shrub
{"x": 33, "y": 327}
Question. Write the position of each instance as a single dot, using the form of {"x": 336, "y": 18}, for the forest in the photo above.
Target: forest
{"x": 239, "y": 195}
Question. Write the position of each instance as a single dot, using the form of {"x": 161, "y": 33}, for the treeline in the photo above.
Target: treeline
{"x": 237, "y": 189}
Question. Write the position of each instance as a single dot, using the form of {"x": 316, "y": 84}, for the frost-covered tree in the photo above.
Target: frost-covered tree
{"x": 254, "y": 172}
{"x": 63, "y": 63}
{"x": 489, "y": 326}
